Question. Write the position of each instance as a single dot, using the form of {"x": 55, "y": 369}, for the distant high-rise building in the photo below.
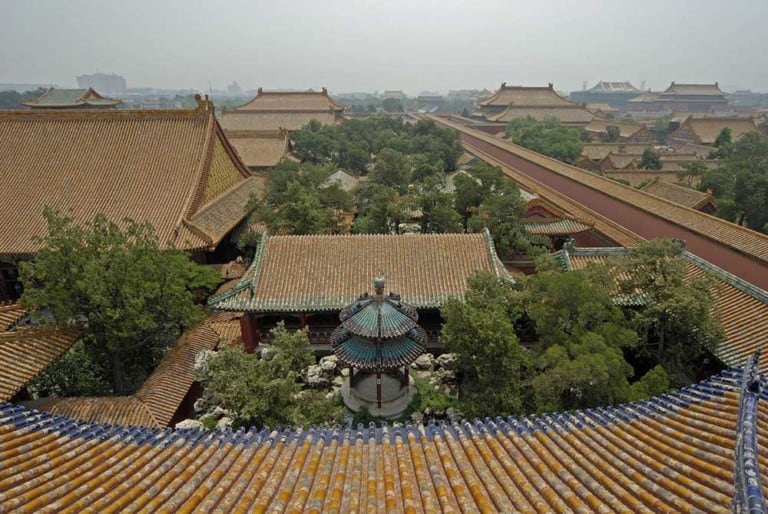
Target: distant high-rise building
{"x": 109, "y": 83}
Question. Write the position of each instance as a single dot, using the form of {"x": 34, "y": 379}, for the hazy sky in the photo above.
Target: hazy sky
{"x": 393, "y": 44}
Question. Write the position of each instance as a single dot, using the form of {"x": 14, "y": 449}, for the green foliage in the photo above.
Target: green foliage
{"x": 691, "y": 172}
{"x": 724, "y": 144}
{"x": 315, "y": 143}
{"x": 382, "y": 210}
{"x": 263, "y": 391}
{"x": 13, "y": 99}
{"x": 438, "y": 213}
{"x": 392, "y": 105}
{"x": 582, "y": 336}
{"x": 133, "y": 298}
{"x": 427, "y": 397}
{"x": 73, "y": 374}
{"x": 740, "y": 185}
{"x": 653, "y": 383}
{"x": 491, "y": 362}
{"x": 674, "y": 319}
{"x": 299, "y": 201}
{"x": 650, "y": 160}
{"x": 391, "y": 169}
{"x": 611, "y": 135}
{"x": 549, "y": 137}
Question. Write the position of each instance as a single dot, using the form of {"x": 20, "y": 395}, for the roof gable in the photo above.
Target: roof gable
{"x": 523, "y": 96}
{"x": 707, "y": 129}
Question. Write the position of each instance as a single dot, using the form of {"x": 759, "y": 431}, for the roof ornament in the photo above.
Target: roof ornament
{"x": 325, "y": 91}
{"x": 503, "y": 85}
{"x": 203, "y": 104}
{"x": 551, "y": 85}
{"x": 378, "y": 286}
{"x": 259, "y": 91}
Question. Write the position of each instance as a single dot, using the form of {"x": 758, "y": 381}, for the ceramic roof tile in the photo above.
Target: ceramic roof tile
{"x": 555, "y": 227}
{"x": 294, "y": 273}
{"x": 670, "y": 453}
{"x": 147, "y": 165}
{"x": 524, "y": 96}
{"x": 56, "y": 97}
{"x": 260, "y": 149}
{"x": 291, "y": 101}
{"x": 157, "y": 400}
{"x": 25, "y": 352}
{"x": 707, "y": 129}
{"x": 678, "y": 194}
{"x": 625, "y": 129}
{"x": 10, "y": 313}
{"x": 272, "y": 121}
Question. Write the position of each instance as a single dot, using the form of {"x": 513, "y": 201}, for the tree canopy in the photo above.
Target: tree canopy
{"x": 549, "y": 137}
{"x": 740, "y": 184}
{"x": 132, "y": 298}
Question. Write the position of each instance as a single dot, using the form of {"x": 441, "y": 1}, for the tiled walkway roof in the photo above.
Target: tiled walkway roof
{"x": 678, "y": 194}
{"x": 673, "y": 453}
{"x": 10, "y": 313}
{"x": 155, "y": 403}
{"x": 158, "y": 166}
{"x": 24, "y": 353}
{"x": 316, "y": 273}
{"x": 742, "y": 307}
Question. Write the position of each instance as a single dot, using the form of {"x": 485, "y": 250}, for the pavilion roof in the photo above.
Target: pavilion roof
{"x": 741, "y": 307}
{"x": 10, "y": 314}
{"x": 317, "y": 273}
{"x": 597, "y": 151}
{"x": 548, "y": 226}
{"x": 305, "y": 101}
{"x": 678, "y": 194}
{"x": 57, "y": 98}
{"x": 613, "y": 87}
{"x": 159, "y": 166}
{"x": 674, "y": 452}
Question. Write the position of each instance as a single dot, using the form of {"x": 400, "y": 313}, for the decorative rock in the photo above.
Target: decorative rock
{"x": 338, "y": 381}
{"x": 453, "y": 415}
{"x": 344, "y": 372}
{"x": 446, "y": 376}
{"x": 201, "y": 363}
{"x": 447, "y": 361}
{"x": 224, "y": 423}
{"x": 328, "y": 366}
{"x": 267, "y": 352}
{"x": 220, "y": 412}
{"x": 200, "y": 405}
{"x": 316, "y": 378}
{"x": 188, "y": 424}
{"x": 424, "y": 361}
{"x": 417, "y": 417}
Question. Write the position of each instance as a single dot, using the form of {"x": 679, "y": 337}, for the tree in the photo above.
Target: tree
{"x": 724, "y": 144}
{"x": 438, "y": 213}
{"x": 740, "y": 185}
{"x": 581, "y": 340}
{"x": 491, "y": 362}
{"x": 611, "y": 135}
{"x": 383, "y": 210}
{"x": 500, "y": 213}
{"x": 132, "y": 298}
{"x": 549, "y": 137}
{"x": 391, "y": 169}
{"x": 650, "y": 160}
{"x": 265, "y": 391}
{"x": 314, "y": 142}
{"x": 674, "y": 318}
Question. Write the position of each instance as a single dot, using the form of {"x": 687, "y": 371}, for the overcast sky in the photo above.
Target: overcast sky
{"x": 393, "y": 44}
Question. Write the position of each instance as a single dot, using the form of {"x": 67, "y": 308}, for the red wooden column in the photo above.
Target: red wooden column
{"x": 378, "y": 388}
{"x": 249, "y": 329}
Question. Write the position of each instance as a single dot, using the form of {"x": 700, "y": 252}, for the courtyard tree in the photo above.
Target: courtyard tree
{"x": 132, "y": 297}
{"x": 650, "y": 160}
{"x": 491, "y": 362}
{"x": 549, "y": 137}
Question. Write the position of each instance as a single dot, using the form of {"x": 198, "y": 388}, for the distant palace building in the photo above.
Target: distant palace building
{"x": 259, "y": 129}
{"x": 615, "y": 94}
{"x": 72, "y": 99}
{"x": 704, "y": 131}
{"x": 514, "y": 102}
{"x": 682, "y": 98}
{"x": 171, "y": 168}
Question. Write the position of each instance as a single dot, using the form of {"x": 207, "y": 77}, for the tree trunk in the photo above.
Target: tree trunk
{"x": 118, "y": 379}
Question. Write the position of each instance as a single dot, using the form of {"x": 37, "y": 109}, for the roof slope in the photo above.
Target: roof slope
{"x": 157, "y": 400}
{"x": 673, "y": 453}
{"x": 298, "y": 273}
{"x": 292, "y": 101}
{"x": 693, "y": 89}
{"x": 260, "y": 149}
{"x": 678, "y": 194}
{"x": 566, "y": 114}
{"x": 24, "y": 353}
{"x": 741, "y": 307}
{"x": 156, "y": 166}
{"x": 600, "y": 126}
{"x": 273, "y": 121}
{"x": 10, "y": 314}
{"x": 613, "y": 87}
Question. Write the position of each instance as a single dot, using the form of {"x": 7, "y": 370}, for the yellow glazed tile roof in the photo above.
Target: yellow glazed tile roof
{"x": 673, "y": 453}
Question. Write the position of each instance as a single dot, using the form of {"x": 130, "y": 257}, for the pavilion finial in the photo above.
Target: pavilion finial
{"x": 378, "y": 286}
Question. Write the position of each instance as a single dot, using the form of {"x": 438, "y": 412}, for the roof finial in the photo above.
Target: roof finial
{"x": 551, "y": 85}
{"x": 503, "y": 85}
{"x": 378, "y": 286}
